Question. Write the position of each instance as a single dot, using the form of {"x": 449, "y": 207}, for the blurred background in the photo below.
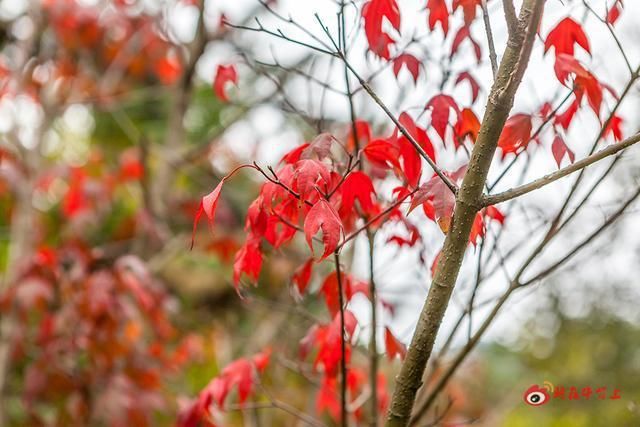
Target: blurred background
{"x": 111, "y": 131}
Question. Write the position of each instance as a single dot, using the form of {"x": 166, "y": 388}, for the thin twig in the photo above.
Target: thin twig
{"x": 493, "y": 57}
{"x": 549, "y": 178}
{"x": 452, "y": 186}
{"x": 343, "y": 347}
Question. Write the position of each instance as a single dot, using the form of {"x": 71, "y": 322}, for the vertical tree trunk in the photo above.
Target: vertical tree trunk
{"x": 468, "y": 202}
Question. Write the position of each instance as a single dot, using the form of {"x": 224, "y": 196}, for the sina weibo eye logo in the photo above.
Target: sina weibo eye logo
{"x": 538, "y": 396}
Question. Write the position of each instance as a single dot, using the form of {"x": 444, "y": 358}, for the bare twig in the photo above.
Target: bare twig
{"x": 493, "y": 57}
{"x": 343, "y": 347}
{"x": 549, "y": 178}
{"x": 452, "y": 186}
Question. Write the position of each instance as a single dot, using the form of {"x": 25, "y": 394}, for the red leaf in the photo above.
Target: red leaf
{"x": 516, "y": 134}
{"x": 320, "y": 146}
{"x": 477, "y": 229}
{"x": 559, "y": 149}
{"x": 248, "y": 260}
{"x": 614, "y": 12}
{"x": 327, "y": 399}
{"x": 208, "y": 206}
{"x": 411, "y": 62}
{"x": 564, "y": 37}
{"x": 373, "y": 13}
{"x": 323, "y": 217}
{"x": 168, "y": 70}
{"x": 475, "y": 87}
{"x": 614, "y": 128}
{"x": 440, "y": 106}
{"x": 584, "y": 82}
{"x": 383, "y": 154}
{"x": 294, "y": 155}
{"x": 566, "y": 118}
{"x": 438, "y": 194}
{"x": 302, "y": 276}
{"x": 309, "y": 174}
{"x": 363, "y": 130}
{"x": 419, "y": 134}
{"x": 393, "y": 346}
{"x": 468, "y": 9}
{"x": 357, "y": 186}
{"x": 261, "y": 360}
{"x": 224, "y": 74}
{"x": 462, "y": 34}
{"x": 495, "y": 214}
{"x": 240, "y": 373}
{"x": 438, "y": 12}
{"x": 467, "y": 125}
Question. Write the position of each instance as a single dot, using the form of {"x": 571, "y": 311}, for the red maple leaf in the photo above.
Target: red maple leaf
{"x": 302, "y": 276}
{"x": 438, "y": 12}
{"x": 320, "y": 146}
{"x": 436, "y": 192}
{"x": 248, "y": 260}
{"x": 224, "y": 74}
{"x": 168, "y": 69}
{"x": 462, "y": 35}
{"x": 393, "y": 346}
{"x": 373, "y": 13}
{"x": 411, "y": 62}
{"x": 363, "y": 130}
{"x": 614, "y": 12}
{"x": 475, "y": 87}
{"x": 468, "y": 9}
{"x": 323, "y": 217}
{"x": 614, "y": 128}
{"x": 357, "y": 186}
{"x": 516, "y": 134}
{"x": 208, "y": 206}
{"x": 564, "y": 37}
{"x": 559, "y": 149}
{"x": 383, "y": 154}
{"x": 308, "y": 175}
{"x": 441, "y": 106}
{"x": 467, "y": 125}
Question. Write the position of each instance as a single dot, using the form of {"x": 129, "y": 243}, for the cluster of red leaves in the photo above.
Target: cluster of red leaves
{"x": 241, "y": 374}
{"x": 318, "y": 192}
{"x": 563, "y": 38}
{"x": 123, "y": 44}
{"x": 376, "y": 12}
{"x": 90, "y": 189}
{"x": 92, "y": 338}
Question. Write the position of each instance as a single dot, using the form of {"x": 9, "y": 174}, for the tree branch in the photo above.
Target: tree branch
{"x": 510, "y": 15}
{"x": 493, "y": 57}
{"x": 468, "y": 202}
{"x": 549, "y": 178}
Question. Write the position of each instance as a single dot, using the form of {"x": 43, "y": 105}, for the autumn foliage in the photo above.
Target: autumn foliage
{"x": 97, "y": 336}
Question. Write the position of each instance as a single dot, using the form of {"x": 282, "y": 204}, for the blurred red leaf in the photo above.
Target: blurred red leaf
{"x": 411, "y": 62}
{"x": 224, "y": 74}
{"x": 393, "y": 346}
{"x": 373, "y": 13}
{"x": 438, "y": 12}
